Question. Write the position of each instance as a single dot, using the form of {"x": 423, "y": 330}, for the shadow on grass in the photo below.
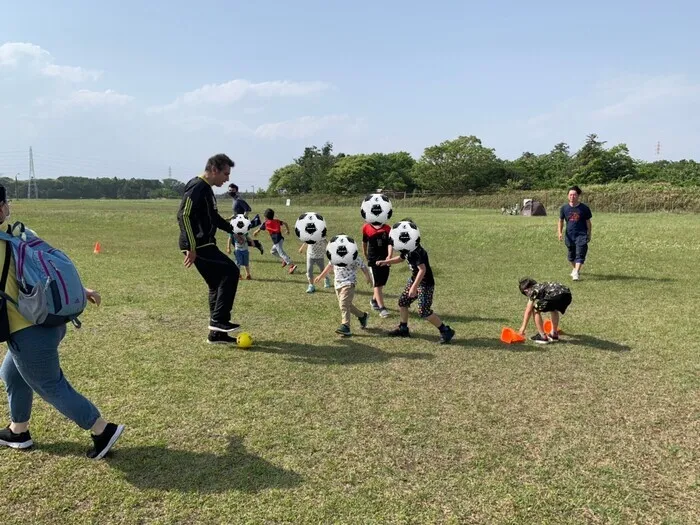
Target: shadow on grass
{"x": 618, "y": 277}
{"x": 290, "y": 280}
{"x": 488, "y": 343}
{"x": 594, "y": 342}
{"x": 160, "y": 468}
{"x": 350, "y": 352}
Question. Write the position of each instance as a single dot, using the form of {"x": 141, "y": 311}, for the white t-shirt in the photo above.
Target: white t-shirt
{"x": 317, "y": 250}
{"x": 346, "y": 275}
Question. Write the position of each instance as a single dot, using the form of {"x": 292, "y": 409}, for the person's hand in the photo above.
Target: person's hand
{"x": 228, "y": 249}
{"x": 317, "y": 279}
{"x": 588, "y": 238}
{"x": 93, "y": 297}
{"x": 560, "y": 237}
{"x": 369, "y": 279}
{"x": 381, "y": 263}
{"x": 190, "y": 256}
{"x": 521, "y": 332}
{"x": 413, "y": 292}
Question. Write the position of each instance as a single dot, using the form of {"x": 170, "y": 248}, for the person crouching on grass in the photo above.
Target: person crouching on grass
{"x": 421, "y": 286}
{"x": 544, "y": 297}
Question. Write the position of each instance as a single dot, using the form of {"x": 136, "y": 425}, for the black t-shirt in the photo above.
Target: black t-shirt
{"x": 377, "y": 240}
{"x": 240, "y": 207}
{"x": 415, "y": 259}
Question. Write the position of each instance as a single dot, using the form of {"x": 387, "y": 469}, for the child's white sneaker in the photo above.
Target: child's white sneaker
{"x": 311, "y": 289}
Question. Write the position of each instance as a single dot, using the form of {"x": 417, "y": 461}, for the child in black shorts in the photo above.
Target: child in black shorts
{"x": 420, "y": 286}
{"x": 375, "y": 247}
{"x": 544, "y": 297}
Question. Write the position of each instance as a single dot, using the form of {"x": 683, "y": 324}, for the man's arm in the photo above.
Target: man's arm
{"x": 188, "y": 223}
{"x": 589, "y": 227}
{"x": 560, "y": 228}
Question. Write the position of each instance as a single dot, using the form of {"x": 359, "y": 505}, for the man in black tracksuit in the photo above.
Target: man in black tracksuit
{"x": 199, "y": 219}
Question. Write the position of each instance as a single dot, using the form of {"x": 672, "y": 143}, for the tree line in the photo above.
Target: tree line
{"x": 98, "y": 188}
{"x": 460, "y": 166}
{"x": 465, "y": 165}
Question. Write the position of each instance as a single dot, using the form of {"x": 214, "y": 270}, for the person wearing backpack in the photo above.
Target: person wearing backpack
{"x": 31, "y": 364}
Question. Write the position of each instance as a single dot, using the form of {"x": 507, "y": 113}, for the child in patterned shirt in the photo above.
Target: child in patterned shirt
{"x": 315, "y": 254}
{"x": 345, "y": 279}
{"x": 544, "y": 297}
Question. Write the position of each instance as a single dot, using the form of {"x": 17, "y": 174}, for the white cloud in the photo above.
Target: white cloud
{"x": 235, "y": 90}
{"x": 634, "y": 94}
{"x": 87, "y": 98}
{"x": 301, "y": 127}
{"x": 71, "y": 73}
{"x": 13, "y": 54}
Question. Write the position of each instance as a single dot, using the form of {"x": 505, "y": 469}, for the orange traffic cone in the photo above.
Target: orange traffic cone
{"x": 508, "y": 336}
{"x": 98, "y": 248}
{"x": 548, "y": 327}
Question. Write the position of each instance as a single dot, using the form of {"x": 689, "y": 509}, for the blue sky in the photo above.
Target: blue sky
{"x": 128, "y": 89}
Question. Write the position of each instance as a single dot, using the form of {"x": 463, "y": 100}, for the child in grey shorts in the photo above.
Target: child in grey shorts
{"x": 315, "y": 254}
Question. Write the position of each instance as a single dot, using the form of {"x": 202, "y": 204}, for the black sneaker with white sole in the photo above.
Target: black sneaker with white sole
{"x": 19, "y": 441}
{"x": 220, "y": 338}
{"x": 399, "y": 332}
{"x": 223, "y": 327}
{"x": 105, "y": 441}
{"x": 446, "y": 335}
{"x": 540, "y": 339}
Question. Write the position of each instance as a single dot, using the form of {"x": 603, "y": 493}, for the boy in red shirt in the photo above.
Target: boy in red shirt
{"x": 375, "y": 247}
{"x": 274, "y": 228}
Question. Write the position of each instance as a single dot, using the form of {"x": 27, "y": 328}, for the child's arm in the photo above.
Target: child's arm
{"x": 255, "y": 233}
{"x": 413, "y": 291}
{"x": 526, "y": 316}
{"x": 285, "y": 225}
{"x": 387, "y": 262}
{"x": 228, "y": 245}
{"x": 365, "y": 270}
{"x": 364, "y": 249}
{"x": 303, "y": 247}
{"x": 323, "y": 274}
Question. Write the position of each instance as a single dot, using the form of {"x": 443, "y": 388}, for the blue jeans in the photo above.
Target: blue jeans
{"x": 31, "y": 365}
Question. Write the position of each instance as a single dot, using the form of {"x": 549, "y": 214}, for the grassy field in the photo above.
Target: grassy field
{"x": 309, "y": 428}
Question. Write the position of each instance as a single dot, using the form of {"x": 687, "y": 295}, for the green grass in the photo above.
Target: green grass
{"x": 309, "y": 428}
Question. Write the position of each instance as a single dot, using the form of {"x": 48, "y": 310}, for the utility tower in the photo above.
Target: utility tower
{"x": 32, "y": 190}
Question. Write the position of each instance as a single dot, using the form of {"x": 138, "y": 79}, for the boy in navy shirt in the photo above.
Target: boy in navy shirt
{"x": 577, "y": 217}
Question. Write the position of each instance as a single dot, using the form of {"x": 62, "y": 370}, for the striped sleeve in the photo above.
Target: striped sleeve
{"x": 187, "y": 222}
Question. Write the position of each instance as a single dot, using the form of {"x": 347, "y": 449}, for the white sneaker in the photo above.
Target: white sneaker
{"x": 574, "y": 275}
{"x": 573, "y": 272}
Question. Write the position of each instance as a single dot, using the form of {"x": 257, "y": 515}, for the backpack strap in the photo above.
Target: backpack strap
{"x": 6, "y": 270}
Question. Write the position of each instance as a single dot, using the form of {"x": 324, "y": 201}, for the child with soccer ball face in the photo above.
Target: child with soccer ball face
{"x": 544, "y": 297}
{"x": 345, "y": 280}
{"x": 420, "y": 286}
{"x": 376, "y": 210}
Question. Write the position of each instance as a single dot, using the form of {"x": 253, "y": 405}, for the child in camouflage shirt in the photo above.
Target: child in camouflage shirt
{"x": 544, "y": 297}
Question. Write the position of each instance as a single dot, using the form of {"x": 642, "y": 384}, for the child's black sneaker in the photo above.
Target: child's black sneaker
{"x": 400, "y": 332}
{"x": 363, "y": 320}
{"x": 553, "y": 337}
{"x": 540, "y": 339}
{"x": 374, "y": 304}
{"x": 446, "y": 335}
{"x": 259, "y": 246}
{"x": 220, "y": 338}
{"x": 19, "y": 441}
{"x": 223, "y": 327}
{"x": 105, "y": 441}
{"x": 343, "y": 330}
